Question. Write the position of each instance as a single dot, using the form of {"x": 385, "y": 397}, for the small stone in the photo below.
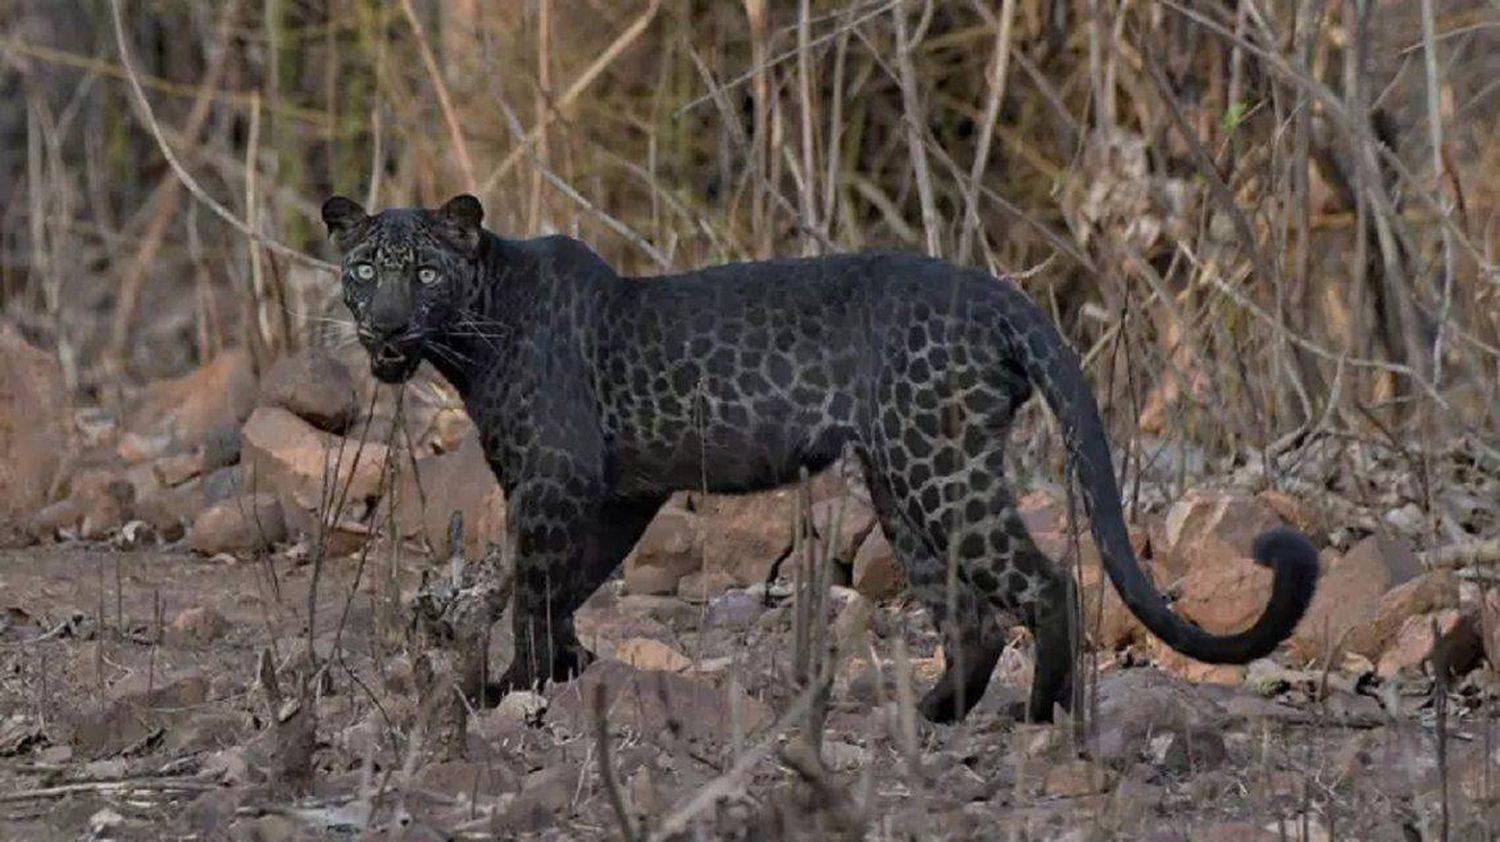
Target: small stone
{"x": 645, "y": 653}
{"x": 135, "y": 448}
{"x": 240, "y": 524}
{"x": 1191, "y": 750}
{"x": 196, "y": 627}
{"x": 1196, "y": 672}
{"x": 108, "y": 502}
{"x": 167, "y": 510}
{"x": 704, "y": 585}
{"x": 104, "y": 822}
{"x": 854, "y": 623}
{"x": 856, "y": 518}
{"x": 744, "y": 534}
{"x": 460, "y": 480}
{"x": 876, "y": 574}
{"x": 1415, "y": 644}
{"x": 522, "y": 706}
{"x": 1073, "y": 778}
{"x": 223, "y": 484}
{"x": 178, "y": 468}
{"x": 734, "y": 609}
{"x": 64, "y": 514}
{"x": 1209, "y": 526}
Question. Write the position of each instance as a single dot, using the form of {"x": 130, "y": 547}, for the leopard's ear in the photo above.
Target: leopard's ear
{"x": 344, "y": 218}
{"x": 461, "y": 217}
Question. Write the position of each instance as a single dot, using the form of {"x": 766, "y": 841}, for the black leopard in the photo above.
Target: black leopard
{"x": 597, "y": 396}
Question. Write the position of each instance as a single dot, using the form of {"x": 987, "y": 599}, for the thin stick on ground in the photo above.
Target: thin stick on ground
{"x": 606, "y": 766}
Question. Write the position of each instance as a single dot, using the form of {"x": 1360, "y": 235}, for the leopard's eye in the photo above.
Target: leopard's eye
{"x": 427, "y": 275}
{"x": 364, "y": 271}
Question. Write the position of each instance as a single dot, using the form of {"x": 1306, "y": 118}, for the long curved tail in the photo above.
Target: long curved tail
{"x": 1054, "y": 368}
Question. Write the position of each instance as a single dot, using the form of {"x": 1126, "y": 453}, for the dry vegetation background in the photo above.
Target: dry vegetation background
{"x": 1266, "y": 223}
{"x": 1237, "y": 209}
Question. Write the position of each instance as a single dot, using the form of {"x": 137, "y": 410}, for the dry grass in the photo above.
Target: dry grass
{"x": 1214, "y": 211}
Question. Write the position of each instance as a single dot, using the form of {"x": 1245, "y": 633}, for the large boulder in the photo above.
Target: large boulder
{"x": 670, "y": 549}
{"x": 192, "y": 406}
{"x": 240, "y": 524}
{"x": 315, "y": 387}
{"x": 285, "y": 455}
{"x": 33, "y": 429}
{"x": 458, "y": 481}
{"x": 1348, "y": 604}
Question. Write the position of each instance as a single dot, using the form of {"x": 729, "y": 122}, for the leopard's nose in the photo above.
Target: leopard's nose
{"x": 386, "y": 324}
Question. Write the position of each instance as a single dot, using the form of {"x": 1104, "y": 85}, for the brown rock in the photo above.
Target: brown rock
{"x": 853, "y": 625}
{"x": 744, "y": 534}
{"x": 196, "y": 627}
{"x": 1073, "y": 778}
{"x": 284, "y": 454}
{"x": 1212, "y": 525}
{"x": 1109, "y": 625}
{"x": 669, "y": 550}
{"x": 646, "y": 653}
{"x": 1174, "y": 663}
{"x": 1429, "y": 592}
{"x": 1350, "y": 591}
{"x": 1224, "y": 593}
{"x": 192, "y": 406}
{"x": 462, "y": 481}
{"x": 314, "y": 386}
{"x": 1490, "y": 623}
{"x": 34, "y": 428}
{"x": 239, "y": 524}
{"x": 1415, "y": 644}
{"x": 168, "y": 510}
{"x": 177, "y": 469}
{"x": 1302, "y": 516}
{"x": 876, "y": 573}
{"x": 856, "y": 519}
{"x": 546, "y": 796}
{"x": 135, "y": 448}
{"x": 704, "y": 585}
{"x": 64, "y": 514}
{"x": 108, "y": 501}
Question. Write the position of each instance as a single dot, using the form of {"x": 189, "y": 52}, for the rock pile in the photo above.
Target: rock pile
{"x": 228, "y": 462}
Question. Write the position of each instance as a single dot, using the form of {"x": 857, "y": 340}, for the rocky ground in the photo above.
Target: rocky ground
{"x": 175, "y": 554}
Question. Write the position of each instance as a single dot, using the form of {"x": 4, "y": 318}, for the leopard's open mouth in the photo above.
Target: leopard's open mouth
{"x": 394, "y": 362}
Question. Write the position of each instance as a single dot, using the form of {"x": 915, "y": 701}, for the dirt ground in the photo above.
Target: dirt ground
{"x": 132, "y": 711}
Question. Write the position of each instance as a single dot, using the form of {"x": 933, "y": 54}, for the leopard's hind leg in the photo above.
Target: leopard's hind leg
{"x": 964, "y": 511}
{"x": 972, "y": 638}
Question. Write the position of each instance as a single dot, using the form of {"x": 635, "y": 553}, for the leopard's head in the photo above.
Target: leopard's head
{"x": 407, "y": 273}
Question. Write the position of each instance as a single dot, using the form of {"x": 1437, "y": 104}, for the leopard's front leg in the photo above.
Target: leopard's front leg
{"x": 569, "y": 535}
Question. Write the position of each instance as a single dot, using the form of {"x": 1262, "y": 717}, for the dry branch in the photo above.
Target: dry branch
{"x": 148, "y": 117}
